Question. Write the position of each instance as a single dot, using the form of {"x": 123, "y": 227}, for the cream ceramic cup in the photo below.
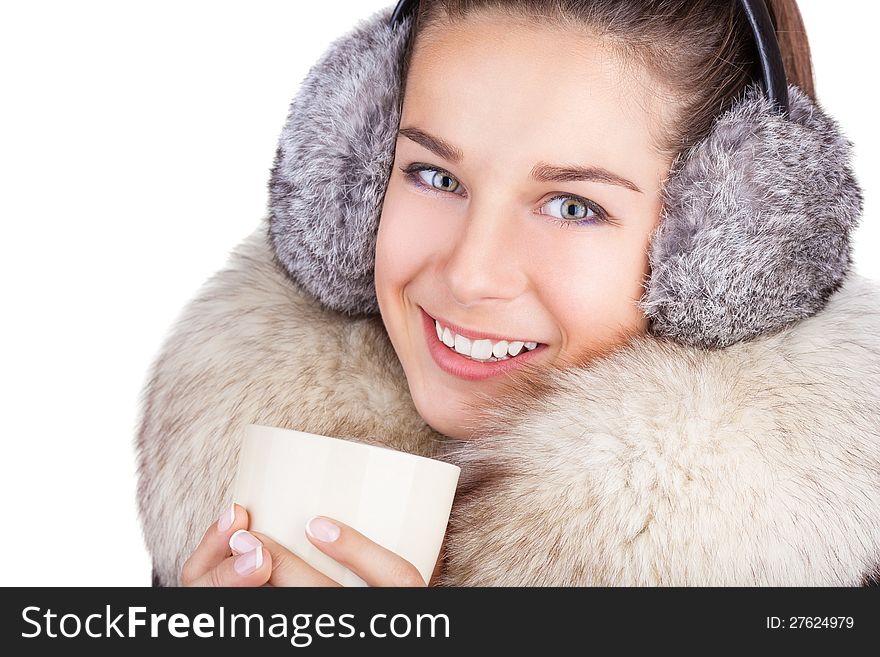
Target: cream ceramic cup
{"x": 400, "y": 501}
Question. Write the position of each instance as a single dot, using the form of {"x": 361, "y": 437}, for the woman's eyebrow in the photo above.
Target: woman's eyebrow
{"x": 542, "y": 172}
{"x": 434, "y": 144}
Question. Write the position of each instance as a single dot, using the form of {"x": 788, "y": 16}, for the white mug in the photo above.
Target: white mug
{"x": 399, "y": 500}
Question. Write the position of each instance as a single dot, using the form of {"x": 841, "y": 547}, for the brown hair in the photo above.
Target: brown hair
{"x": 701, "y": 51}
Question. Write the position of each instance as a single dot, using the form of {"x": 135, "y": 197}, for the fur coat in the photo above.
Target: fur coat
{"x": 658, "y": 464}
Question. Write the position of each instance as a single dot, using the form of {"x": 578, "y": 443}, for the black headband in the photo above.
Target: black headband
{"x": 773, "y": 70}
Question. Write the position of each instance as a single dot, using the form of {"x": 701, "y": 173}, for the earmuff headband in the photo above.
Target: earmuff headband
{"x": 775, "y": 80}
{"x": 773, "y": 70}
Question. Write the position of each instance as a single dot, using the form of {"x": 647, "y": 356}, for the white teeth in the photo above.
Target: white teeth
{"x": 500, "y": 349}
{"x": 482, "y": 350}
{"x": 448, "y": 338}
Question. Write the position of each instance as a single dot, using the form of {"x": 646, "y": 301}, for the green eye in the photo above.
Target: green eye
{"x": 439, "y": 180}
{"x": 571, "y": 208}
{"x": 568, "y": 210}
{"x": 431, "y": 179}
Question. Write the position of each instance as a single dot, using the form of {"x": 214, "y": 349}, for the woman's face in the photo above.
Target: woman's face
{"x": 531, "y": 193}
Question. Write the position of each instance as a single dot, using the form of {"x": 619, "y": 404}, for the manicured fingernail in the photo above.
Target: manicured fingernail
{"x": 249, "y": 561}
{"x": 226, "y": 518}
{"x": 322, "y": 529}
{"x": 243, "y": 541}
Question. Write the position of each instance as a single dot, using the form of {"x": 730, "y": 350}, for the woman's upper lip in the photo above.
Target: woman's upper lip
{"x": 472, "y": 333}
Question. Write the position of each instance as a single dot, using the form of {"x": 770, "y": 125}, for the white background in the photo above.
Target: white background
{"x": 136, "y": 140}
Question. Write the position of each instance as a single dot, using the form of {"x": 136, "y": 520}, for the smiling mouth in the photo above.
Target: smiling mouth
{"x": 479, "y": 349}
{"x": 491, "y": 351}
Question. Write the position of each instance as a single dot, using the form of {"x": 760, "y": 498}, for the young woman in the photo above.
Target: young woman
{"x": 531, "y": 158}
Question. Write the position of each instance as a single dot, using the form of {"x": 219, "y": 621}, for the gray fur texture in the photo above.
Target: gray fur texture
{"x": 756, "y": 225}
{"x": 332, "y": 166}
{"x": 661, "y": 464}
{"x": 757, "y": 217}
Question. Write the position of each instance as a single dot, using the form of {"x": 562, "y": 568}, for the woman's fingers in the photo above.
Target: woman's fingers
{"x": 257, "y": 560}
{"x": 251, "y": 568}
{"x": 214, "y": 546}
{"x": 374, "y": 564}
{"x": 287, "y": 568}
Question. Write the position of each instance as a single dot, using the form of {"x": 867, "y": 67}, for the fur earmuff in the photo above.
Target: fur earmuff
{"x": 755, "y": 228}
{"x": 756, "y": 224}
{"x": 332, "y": 166}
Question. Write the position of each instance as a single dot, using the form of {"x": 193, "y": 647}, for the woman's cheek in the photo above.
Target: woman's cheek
{"x": 591, "y": 287}
{"x": 411, "y": 235}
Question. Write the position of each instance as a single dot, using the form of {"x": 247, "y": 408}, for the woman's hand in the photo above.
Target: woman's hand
{"x": 229, "y": 555}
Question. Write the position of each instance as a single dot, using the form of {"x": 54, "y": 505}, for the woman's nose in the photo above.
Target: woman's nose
{"x": 486, "y": 260}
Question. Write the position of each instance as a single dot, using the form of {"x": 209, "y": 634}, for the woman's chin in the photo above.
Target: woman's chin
{"x": 441, "y": 417}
